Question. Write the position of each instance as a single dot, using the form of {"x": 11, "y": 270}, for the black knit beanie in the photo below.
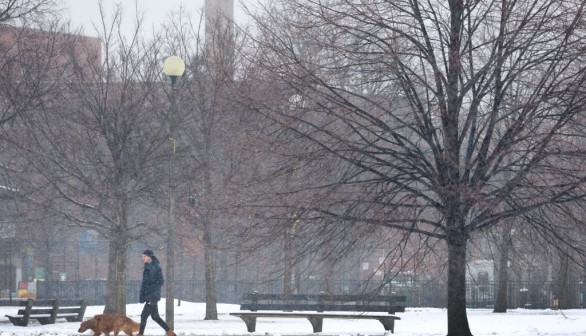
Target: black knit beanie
{"x": 148, "y": 253}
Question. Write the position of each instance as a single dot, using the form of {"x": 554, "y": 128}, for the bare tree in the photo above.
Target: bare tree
{"x": 31, "y": 62}
{"x": 19, "y": 11}
{"x": 33, "y": 51}
{"x": 97, "y": 150}
{"x": 449, "y": 117}
{"x": 31, "y": 44}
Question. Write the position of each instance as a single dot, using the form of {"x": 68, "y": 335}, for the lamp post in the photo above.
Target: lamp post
{"x": 173, "y": 67}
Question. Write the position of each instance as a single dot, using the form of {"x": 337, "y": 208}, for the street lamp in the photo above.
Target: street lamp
{"x": 173, "y": 67}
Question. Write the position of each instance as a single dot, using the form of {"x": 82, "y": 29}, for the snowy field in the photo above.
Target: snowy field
{"x": 414, "y": 322}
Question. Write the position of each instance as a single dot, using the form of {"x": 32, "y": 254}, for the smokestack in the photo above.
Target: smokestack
{"x": 219, "y": 17}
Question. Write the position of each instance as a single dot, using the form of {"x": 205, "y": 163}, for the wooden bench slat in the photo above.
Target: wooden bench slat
{"x": 313, "y": 307}
{"x": 325, "y": 297}
{"x": 36, "y": 311}
{"x": 44, "y": 303}
{"x": 356, "y": 316}
{"x": 69, "y": 310}
{"x": 277, "y": 307}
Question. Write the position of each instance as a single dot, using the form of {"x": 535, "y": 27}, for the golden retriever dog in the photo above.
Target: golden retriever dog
{"x": 106, "y": 323}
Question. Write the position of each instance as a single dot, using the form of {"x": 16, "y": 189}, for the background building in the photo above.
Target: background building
{"x": 34, "y": 61}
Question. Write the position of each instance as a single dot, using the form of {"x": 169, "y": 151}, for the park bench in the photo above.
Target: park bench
{"x": 47, "y": 311}
{"x": 317, "y": 307}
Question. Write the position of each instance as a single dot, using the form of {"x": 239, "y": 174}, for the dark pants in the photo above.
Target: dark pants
{"x": 151, "y": 309}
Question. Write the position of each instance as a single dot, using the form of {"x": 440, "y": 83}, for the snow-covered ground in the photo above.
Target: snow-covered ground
{"x": 414, "y": 322}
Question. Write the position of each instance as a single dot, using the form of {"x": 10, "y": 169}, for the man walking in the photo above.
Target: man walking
{"x": 150, "y": 292}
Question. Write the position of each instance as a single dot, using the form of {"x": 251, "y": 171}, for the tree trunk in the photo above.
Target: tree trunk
{"x": 330, "y": 266}
{"x": 501, "y": 303}
{"x": 564, "y": 301}
{"x": 297, "y": 278}
{"x": 116, "y": 289}
{"x": 211, "y": 310}
{"x": 287, "y": 256}
{"x": 457, "y": 318}
{"x": 116, "y": 292}
{"x": 49, "y": 268}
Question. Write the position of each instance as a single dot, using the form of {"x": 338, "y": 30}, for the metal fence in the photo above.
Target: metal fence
{"x": 528, "y": 294}
{"x": 419, "y": 293}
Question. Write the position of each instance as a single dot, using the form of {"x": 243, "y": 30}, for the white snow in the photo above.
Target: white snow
{"x": 414, "y": 322}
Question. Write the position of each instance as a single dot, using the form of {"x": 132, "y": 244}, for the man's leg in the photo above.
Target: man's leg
{"x": 155, "y": 315}
{"x": 146, "y": 312}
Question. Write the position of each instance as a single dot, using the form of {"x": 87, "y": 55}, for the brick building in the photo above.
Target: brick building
{"x": 32, "y": 60}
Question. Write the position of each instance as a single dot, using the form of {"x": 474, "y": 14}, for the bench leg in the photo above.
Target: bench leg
{"x": 388, "y": 323}
{"x": 316, "y": 323}
{"x": 72, "y": 319}
{"x": 45, "y": 320}
{"x": 20, "y": 322}
{"x": 250, "y": 322}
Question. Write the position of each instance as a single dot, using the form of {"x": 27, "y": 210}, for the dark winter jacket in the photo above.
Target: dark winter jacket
{"x": 152, "y": 281}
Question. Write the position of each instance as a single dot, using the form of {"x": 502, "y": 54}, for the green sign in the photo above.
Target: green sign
{"x": 40, "y": 273}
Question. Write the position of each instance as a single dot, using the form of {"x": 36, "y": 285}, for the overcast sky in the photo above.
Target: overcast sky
{"x": 85, "y": 12}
